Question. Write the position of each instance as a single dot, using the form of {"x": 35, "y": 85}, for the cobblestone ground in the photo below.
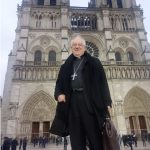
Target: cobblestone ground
{"x": 60, "y": 147}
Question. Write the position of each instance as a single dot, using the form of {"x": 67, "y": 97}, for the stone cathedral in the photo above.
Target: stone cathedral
{"x": 114, "y": 32}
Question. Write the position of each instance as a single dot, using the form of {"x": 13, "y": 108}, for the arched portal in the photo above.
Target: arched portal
{"x": 137, "y": 112}
{"x": 37, "y": 115}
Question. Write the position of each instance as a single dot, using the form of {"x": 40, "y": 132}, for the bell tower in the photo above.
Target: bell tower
{"x": 114, "y": 3}
{"x": 47, "y": 2}
{"x": 42, "y": 15}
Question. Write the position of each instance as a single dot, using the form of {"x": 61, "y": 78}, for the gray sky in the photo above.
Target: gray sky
{"x": 8, "y": 19}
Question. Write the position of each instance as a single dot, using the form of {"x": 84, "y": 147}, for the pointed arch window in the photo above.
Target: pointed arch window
{"x": 40, "y": 2}
{"x": 119, "y": 3}
{"x": 37, "y": 57}
{"x": 52, "y": 2}
{"x": 52, "y": 57}
{"x": 130, "y": 56}
{"x": 118, "y": 56}
{"x": 109, "y": 3}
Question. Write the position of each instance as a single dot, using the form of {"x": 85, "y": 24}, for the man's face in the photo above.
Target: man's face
{"x": 78, "y": 48}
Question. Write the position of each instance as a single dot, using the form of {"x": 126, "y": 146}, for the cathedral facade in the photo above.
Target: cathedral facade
{"x": 114, "y": 33}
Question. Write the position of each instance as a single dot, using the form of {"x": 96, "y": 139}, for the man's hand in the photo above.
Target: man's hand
{"x": 109, "y": 110}
{"x": 61, "y": 98}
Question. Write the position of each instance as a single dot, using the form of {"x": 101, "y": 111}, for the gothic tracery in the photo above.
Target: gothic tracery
{"x": 92, "y": 49}
{"x": 122, "y": 22}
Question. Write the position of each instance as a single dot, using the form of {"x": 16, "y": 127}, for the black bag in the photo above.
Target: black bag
{"x": 110, "y": 136}
{"x": 60, "y": 123}
{"x": 59, "y": 127}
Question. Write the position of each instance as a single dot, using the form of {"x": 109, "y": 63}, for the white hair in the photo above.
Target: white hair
{"x": 74, "y": 36}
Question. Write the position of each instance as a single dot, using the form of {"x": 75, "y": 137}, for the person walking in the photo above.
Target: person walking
{"x": 130, "y": 141}
{"x": 144, "y": 139}
{"x": 20, "y": 144}
{"x": 65, "y": 143}
{"x": 83, "y": 97}
{"x": 24, "y": 143}
{"x": 14, "y": 144}
{"x": 6, "y": 144}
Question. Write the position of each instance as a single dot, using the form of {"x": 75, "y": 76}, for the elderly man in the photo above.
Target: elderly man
{"x": 83, "y": 97}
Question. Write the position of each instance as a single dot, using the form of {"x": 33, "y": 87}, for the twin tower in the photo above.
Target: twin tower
{"x": 91, "y": 3}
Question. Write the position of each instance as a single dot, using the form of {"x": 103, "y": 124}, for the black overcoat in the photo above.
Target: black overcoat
{"x": 95, "y": 87}
{"x": 14, "y": 144}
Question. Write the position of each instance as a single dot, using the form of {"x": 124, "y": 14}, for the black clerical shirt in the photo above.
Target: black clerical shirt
{"x": 78, "y": 64}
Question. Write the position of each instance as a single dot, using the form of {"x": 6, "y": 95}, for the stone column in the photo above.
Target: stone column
{"x": 64, "y": 32}
{"x": 138, "y": 125}
{"x": 124, "y": 4}
{"x": 100, "y": 25}
{"x": 147, "y": 123}
{"x": 108, "y": 36}
{"x": 135, "y": 123}
{"x": 65, "y": 53}
{"x": 114, "y": 3}
{"x": 12, "y": 120}
{"x": 139, "y": 20}
{"x": 46, "y": 2}
{"x": 11, "y": 128}
{"x": 106, "y": 19}
{"x": 41, "y": 129}
{"x": 104, "y": 2}
{"x": 24, "y": 29}
{"x": 120, "y": 117}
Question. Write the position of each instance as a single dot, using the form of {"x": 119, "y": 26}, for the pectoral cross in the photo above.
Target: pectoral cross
{"x": 74, "y": 75}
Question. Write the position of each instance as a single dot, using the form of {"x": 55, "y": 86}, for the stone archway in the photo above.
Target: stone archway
{"x": 136, "y": 111}
{"x": 37, "y": 115}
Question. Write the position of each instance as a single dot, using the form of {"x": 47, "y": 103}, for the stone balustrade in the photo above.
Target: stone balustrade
{"x": 127, "y": 72}
{"x": 35, "y": 73}
{"x": 119, "y": 70}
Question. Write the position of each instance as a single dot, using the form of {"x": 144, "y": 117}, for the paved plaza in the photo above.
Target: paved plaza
{"x": 60, "y": 147}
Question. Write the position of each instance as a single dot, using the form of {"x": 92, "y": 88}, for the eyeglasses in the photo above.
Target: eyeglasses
{"x": 77, "y": 44}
